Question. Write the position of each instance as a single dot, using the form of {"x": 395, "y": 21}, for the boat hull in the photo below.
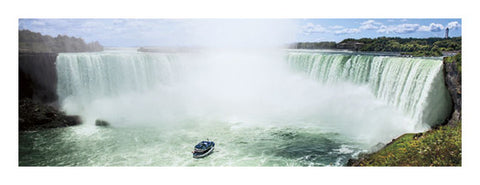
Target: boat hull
{"x": 201, "y": 155}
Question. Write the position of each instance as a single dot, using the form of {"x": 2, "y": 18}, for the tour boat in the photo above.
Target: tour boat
{"x": 203, "y": 149}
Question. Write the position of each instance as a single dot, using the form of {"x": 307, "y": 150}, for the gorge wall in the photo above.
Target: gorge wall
{"x": 38, "y": 77}
{"x": 453, "y": 81}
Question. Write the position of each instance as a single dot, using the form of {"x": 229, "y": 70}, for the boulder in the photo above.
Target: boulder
{"x": 101, "y": 123}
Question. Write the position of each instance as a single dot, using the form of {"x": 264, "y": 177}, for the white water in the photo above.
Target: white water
{"x": 413, "y": 85}
{"x": 249, "y": 97}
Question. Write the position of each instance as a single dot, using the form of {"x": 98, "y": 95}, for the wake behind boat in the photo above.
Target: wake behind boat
{"x": 203, "y": 149}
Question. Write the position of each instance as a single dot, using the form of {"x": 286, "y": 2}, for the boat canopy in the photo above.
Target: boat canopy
{"x": 203, "y": 145}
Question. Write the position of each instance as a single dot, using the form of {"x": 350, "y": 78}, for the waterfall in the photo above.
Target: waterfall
{"x": 374, "y": 98}
{"x": 92, "y": 75}
{"x": 413, "y": 85}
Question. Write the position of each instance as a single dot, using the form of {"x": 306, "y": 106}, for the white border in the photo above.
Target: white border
{"x": 11, "y": 11}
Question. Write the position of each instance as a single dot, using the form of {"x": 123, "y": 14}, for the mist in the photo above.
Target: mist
{"x": 239, "y": 77}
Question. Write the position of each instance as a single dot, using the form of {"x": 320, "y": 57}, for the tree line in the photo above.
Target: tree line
{"x": 433, "y": 46}
{"x": 37, "y": 43}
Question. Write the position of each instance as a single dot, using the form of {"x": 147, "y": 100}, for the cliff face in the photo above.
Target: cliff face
{"x": 38, "y": 94}
{"x": 38, "y": 106}
{"x": 38, "y": 77}
{"x": 453, "y": 80}
{"x": 37, "y": 56}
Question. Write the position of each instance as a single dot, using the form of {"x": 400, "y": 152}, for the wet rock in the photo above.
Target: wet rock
{"x": 101, "y": 123}
{"x": 37, "y": 116}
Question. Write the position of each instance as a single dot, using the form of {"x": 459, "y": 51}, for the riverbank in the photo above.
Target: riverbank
{"x": 440, "y": 146}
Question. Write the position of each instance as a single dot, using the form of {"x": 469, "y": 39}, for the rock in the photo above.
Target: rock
{"x": 72, "y": 120}
{"x": 358, "y": 161}
{"x": 38, "y": 77}
{"x": 101, "y": 123}
{"x": 453, "y": 81}
{"x": 352, "y": 162}
{"x": 417, "y": 136}
{"x": 37, "y": 116}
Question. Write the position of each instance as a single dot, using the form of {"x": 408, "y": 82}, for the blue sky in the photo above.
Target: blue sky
{"x": 192, "y": 32}
{"x": 339, "y": 29}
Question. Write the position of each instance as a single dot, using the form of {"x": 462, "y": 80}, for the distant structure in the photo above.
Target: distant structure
{"x": 446, "y": 33}
{"x": 352, "y": 45}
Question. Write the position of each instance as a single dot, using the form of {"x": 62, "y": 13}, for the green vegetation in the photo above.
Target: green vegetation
{"x": 438, "y": 147}
{"x": 434, "y": 53}
{"x": 33, "y": 42}
{"x": 407, "y": 46}
{"x": 315, "y": 45}
{"x": 457, "y": 59}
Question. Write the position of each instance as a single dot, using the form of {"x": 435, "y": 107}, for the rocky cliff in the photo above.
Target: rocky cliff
{"x": 453, "y": 80}
{"x": 38, "y": 93}
{"x": 38, "y": 77}
{"x": 38, "y": 99}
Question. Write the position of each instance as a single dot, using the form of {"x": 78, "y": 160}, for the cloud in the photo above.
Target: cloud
{"x": 379, "y": 27}
{"x": 454, "y": 25}
{"x": 336, "y": 27}
{"x": 38, "y": 23}
{"x": 433, "y": 27}
{"x": 370, "y": 25}
{"x": 400, "y": 29}
{"x": 347, "y": 31}
{"x": 312, "y": 28}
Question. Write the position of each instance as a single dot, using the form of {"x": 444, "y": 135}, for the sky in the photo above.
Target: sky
{"x": 198, "y": 32}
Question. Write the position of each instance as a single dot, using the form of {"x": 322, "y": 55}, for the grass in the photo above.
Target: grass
{"x": 438, "y": 147}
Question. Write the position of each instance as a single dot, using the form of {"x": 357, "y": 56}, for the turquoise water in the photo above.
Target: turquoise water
{"x": 87, "y": 145}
